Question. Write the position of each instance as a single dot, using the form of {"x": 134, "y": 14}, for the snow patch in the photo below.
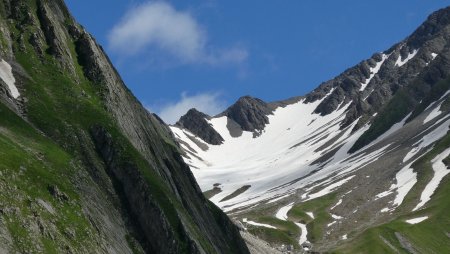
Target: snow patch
{"x": 282, "y": 212}
{"x": 336, "y": 217}
{"x": 406, "y": 178}
{"x": 417, "y": 220}
{"x": 7, "y": 76}
{"x": 329, "y": 188}
{"x": 344, "y": 237}
{"x": 383, "y": 194}
{"x": 410, "y": 56}
{"x": 258, "y": 224}
{"x": 338, "y": 203}
{"x": 310, "y": 214}
{"x": 282, "y": 215}
{"x": 433, "y": 55}
{"x": 433, "y": 114}
{"x": 303, "y": 234}
{"x": 373, "y": 72}
{"x": 428, "y": 139}
{"x": 440, "y": 171}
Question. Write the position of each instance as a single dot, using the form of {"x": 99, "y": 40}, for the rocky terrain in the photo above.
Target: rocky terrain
{"x": 358, "y": 165}
{"x": 85, "y": 168}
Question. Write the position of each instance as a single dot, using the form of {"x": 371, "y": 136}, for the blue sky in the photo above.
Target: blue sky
{"x": 177, "y": 54}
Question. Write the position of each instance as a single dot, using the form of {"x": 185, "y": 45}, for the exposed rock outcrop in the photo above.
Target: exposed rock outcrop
{"x": 249, "y": 113}
{"x": 196, "y": 123}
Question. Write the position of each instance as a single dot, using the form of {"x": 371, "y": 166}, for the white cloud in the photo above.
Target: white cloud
{"x": 157, "y": 25}
{"x": 208, "y": 103}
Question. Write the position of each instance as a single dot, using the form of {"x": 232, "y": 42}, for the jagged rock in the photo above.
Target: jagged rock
{"x": 196, "y": 123}
{"x": 249, "y": 113}
{"x": 36, "y": 42}
{"x": 50, "y": 15}
{"x": 57, "y": 194}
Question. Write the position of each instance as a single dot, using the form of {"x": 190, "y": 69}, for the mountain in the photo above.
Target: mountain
{"x": 84, "y": 167}
{"x": 358, "y": 165}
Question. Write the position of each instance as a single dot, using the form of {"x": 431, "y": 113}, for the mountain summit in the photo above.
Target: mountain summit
{"x": 357, "y": 165}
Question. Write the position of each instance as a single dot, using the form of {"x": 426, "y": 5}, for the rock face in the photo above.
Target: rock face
{"x": 114, "y": 181}
{"x": 196, "y": 123}
{"x": 249, "y": 113}
{"x": 424, "y": 51}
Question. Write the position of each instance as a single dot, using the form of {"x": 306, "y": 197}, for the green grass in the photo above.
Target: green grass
{"x": 286, "y": 233}
{"x": 319, "y": 207}
{"x": 429, "y": 236}
{"x": 65, "y": 106}
{"x": 30, "y": 163}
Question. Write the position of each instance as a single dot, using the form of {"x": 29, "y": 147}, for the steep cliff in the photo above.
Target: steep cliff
{"x": 85, "y": 168}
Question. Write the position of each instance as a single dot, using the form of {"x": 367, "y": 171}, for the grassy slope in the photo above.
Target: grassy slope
{"x": 287, "y": 232}
{"x": 64, "y": 106}
{"x": 319, "y": 207}
{"x": 429, "y": 236}
{"x": 30, "y": 164}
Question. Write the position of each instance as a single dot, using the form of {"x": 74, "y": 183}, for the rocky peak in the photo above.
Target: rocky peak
{"x": 367, "y": 87}
{"x": 195, "y": 122}
{"x": 249, "y": 113}
{"x": 434, "y": 24}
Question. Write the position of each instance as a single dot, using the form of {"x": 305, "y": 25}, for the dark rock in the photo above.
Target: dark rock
{"x": 35, "y": 41}
{"x": 57, "y": 194}
{"x": 195, "y": 122}
{"x": 50, "y": 15}
{"x": 138, "y": 197}
{"x": 249, "y": 113}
